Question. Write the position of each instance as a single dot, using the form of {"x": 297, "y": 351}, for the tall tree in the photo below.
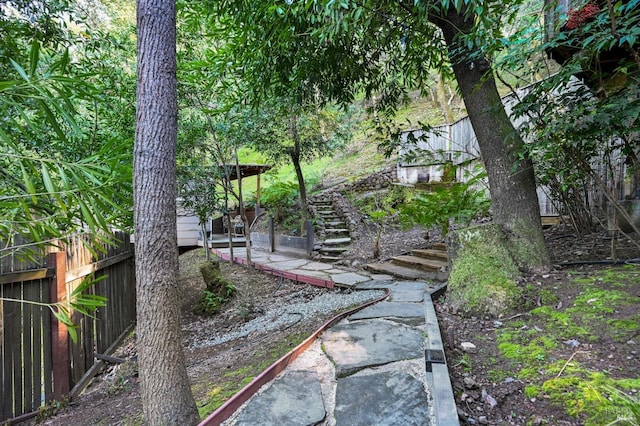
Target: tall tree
{"x": 511, "y": 178}
{"x": 166, "y": 393}
{"x": 286, "y": 132}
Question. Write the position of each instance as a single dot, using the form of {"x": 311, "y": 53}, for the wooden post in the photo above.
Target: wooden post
{"x": 310, "y": 238}
{"x": 258, "y": 193}
{"x": 272, "y": 242}
{"x": 59, "y": 334}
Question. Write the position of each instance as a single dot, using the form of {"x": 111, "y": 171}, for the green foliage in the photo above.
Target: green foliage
{"x": 381, "y": 208}
{"x": 279, "y": 198}
{"x": 576, "y": 130}
{"x": 218, "y": 289}
{"x": 599, "y": 398}
{"x": 51, "y": 184}
{"x": 594, "y": 397}
{"x": 483, "y": 278}
{"x": 197, "y": 189}
{"x": 442, "y": 202}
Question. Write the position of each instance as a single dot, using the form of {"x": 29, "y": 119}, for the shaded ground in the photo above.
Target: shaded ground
{"x": 216, "y": 371}
{"x": 557, "y": 360}
{"x": 556, "y": 352}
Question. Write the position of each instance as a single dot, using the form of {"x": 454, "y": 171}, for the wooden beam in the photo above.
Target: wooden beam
{"x": 32, "y": 275}
{"x": 59, "y": 333}
{"x": 96, "y": 266}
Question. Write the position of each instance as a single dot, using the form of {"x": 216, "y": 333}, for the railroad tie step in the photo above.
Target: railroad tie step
{"x": 333, "y": 250}
{"x": 336, "y": 241}
{"x": 430, "y": 254}
{"x": 429, "y": 265}
{"x": 336, "y": 230}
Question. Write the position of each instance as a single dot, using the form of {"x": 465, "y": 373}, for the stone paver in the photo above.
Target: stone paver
{"x": 316, "y": 274}
{"x": 318, "y": 266}
{"x": 294, "y": 398}
{"x": 289, "y": 264}
{"x": 353, "y": 346}
{"x": 388, "y": 398}
{"x": 392, "y": 309}
{"x": 349, "y": 278}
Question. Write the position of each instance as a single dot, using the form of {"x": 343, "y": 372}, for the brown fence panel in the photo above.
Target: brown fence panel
{"x": 97, "y": 334}
{"x": 38, "y": 362}
{"x": 25, "y": 348}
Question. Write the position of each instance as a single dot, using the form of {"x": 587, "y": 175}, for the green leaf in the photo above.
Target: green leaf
{"x": 34, "y": 58}
{"x": 28, "y": 183}
{"x": 19, "y": 69}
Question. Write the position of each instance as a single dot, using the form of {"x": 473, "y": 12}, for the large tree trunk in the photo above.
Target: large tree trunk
{"x": 166, "y": 392}
{"x": 511, "y": 178}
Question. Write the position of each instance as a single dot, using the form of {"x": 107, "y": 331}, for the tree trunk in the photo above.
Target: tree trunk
{"x": 205, "y": 241}
{"x": 443, "y": 101}
{"x": 166, "y": 392}
{"x": 243, "y": 214}
{"x": 511, "y": 178}
{"x": 295, "y": 159}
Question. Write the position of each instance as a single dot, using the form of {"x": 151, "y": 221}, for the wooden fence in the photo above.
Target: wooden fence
{"x": 39, "y": 362}
{"x": 457, "y": 142}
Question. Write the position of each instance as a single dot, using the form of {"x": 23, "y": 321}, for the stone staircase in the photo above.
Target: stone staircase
{"x": 420, "y": 264}
{"x": 333, "y": 231}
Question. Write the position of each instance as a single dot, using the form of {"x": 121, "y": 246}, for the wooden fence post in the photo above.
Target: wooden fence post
{"x": 59, "y": 333}
{"x": 310, "y": 237}
{"x": 272, "y": 242}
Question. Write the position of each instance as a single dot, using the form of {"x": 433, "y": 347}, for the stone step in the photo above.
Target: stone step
{"x": 336, "y": 241}
{"x": 336, "y": 230}
{"x": 326, "y": 213}
{"x": 330, "y": 258}
{"x": 430, "y": 254}
{"x": 406, "y": 273}
{"x": 333, "y": 249}
{"x": 327, "y": 204}
{"x": 415, "y": 262}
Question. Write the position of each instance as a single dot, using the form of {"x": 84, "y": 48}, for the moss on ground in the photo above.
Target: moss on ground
{"x": 604, "y": 306}
{"x": 238, "y": 379}
{"x": 483, "y": 276}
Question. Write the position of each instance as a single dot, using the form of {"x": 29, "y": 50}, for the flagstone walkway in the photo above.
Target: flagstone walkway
{"x": 380, "y": 365}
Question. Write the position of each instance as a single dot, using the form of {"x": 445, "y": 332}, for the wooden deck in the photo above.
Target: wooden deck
{"x": 222, "y": 241}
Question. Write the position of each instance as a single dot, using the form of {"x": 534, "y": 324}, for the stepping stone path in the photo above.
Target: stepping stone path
{"x": 333, "y": 231}
{"x": 378, "y": 375}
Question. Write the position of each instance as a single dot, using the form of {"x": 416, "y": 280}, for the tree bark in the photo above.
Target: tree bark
{"x": 511, "y": 178}
{"x": 243, "y": 213}
{"x": 166, "y": 392}
{"x": 295, "y": 159}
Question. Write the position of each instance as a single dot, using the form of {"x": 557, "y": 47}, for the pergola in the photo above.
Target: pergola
{"x": 247, "y": 170}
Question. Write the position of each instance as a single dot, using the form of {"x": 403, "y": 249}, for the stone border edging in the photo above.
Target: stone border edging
{"x": 444, "y": 404}
{"x": 228, "y": 408}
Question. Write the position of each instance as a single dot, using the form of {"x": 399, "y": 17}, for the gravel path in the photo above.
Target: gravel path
{"x": 284, "y": 315}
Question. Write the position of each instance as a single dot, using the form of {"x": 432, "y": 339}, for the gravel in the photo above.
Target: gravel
{"x": 279, "y": 317}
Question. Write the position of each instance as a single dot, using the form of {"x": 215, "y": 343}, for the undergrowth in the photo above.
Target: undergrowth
{"x": 551, "y": 348}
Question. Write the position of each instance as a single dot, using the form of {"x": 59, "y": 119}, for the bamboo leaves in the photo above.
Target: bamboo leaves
{"x": 53, "y": 184}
